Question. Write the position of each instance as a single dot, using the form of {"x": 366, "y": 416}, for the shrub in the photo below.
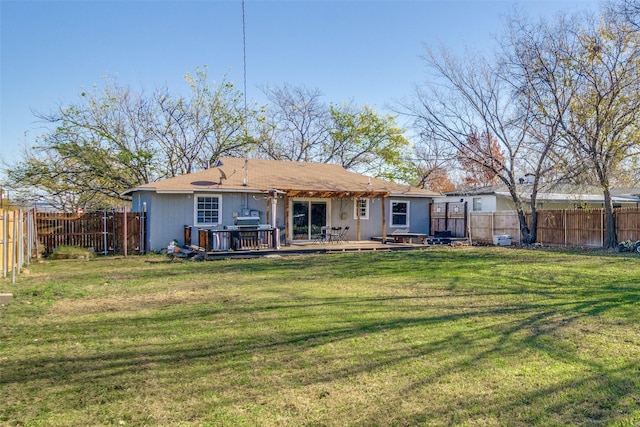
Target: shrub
{"x": 71, "y": 252}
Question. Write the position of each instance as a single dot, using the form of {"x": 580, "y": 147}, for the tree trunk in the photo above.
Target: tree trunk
{"x": 522, "y": 218}
{"x": 524, "y": 228}
{"x": 610, "y": 238}
{"x": 533, "y": 226}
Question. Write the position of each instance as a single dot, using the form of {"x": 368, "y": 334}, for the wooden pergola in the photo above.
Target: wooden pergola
{"x": 339, "y": 194}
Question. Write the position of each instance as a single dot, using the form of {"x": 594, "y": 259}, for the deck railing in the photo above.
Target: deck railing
{"x": 237, "y": 240}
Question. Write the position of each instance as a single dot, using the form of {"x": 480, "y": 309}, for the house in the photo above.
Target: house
{"x": 561, "y": 196}
{"x": 294, "y": 198}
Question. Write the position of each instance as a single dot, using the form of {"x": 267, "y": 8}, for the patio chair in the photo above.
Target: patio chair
{"x": 322, "y": 237}
{"x": 343, "y": 236}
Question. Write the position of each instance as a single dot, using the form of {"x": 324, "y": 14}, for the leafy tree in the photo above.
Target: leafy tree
{"x": 113, "y": 139}
{"x": 480, "y": 158}
{"x": 300, "y": 127}
{"x": 437, "y": 180}
{"x": 364, "y": 141}
{"x": 98, "y": 147}
{"x": 603, "y": 125}
{"x": 193, "y": 132}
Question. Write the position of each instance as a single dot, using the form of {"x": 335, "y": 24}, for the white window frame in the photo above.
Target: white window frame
{"x": 477, "y": 203}
{"x": 196, "y": 199}
{"x": 358, "y": 203}
{"x": 407, "y": 215}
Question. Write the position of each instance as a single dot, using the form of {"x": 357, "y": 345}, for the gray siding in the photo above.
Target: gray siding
{"x": 372, "y": 227}
{"x": 167, "y": 215}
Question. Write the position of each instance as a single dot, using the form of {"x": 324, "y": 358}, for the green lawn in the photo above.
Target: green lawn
{"x": 469, "y": 336}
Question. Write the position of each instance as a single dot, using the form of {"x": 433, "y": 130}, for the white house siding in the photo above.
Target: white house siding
{"x": 489, "y": 202}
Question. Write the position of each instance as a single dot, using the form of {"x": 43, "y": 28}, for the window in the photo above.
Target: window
{"x": 207, "y": 210}
{"x": 399, "y": 214}
{"x": 363, "y": 205}
{"x": 477, "y": 204}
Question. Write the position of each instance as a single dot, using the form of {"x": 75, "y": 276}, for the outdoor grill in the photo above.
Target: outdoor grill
{"x": 247, "y": 223}
{"x": 245, "y": 233}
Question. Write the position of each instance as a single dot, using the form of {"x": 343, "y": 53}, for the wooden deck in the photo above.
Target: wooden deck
{"x": 300, "y": 248}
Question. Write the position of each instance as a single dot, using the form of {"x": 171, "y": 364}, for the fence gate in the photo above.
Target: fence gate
{"x": 449, "y": 216}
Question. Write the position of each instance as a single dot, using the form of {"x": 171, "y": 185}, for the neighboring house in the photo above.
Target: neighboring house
{"x": 498, "y": 198}
{"x": 295, "y": 197}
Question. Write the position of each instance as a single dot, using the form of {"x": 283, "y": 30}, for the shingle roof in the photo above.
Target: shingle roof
{"x": 294, "y": 178}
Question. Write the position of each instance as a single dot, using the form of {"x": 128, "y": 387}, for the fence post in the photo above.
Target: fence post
{"x": 14, "y": 245}
{"x": 104, "y": 232}
{"x": 141, "y": 225}
{"x": 5, "y": 243}
{"x": 124, "y": 231}
{"x": 21, "y": 241}
{"x": 493, "y": 223}
{"x": 602, "y": 227}
{"x": 564, "y": 226}
{"x": 29, "y": 248}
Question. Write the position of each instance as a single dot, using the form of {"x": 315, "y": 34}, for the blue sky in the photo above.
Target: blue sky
{"x": 367, "y": 52}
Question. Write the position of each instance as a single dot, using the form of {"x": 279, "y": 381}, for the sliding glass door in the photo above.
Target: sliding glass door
{"x": 308, "y": 218}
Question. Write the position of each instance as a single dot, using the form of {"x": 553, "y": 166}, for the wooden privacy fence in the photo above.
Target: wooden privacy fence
{"x": 449, "y": 216}
{"x": 106, "y": 232}
{"x": 564, "y": 227}
{"x": 16, "y": 240}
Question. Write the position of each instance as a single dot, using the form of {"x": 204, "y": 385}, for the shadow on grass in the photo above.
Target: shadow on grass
{"x": 430, "y": 340}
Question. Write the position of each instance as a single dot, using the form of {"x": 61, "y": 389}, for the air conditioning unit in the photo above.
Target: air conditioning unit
{"x": 502, "y": 240}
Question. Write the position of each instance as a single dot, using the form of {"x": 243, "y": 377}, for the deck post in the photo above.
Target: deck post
{"x": 286, "y": 217}
{"x": 384, "y": 220}
{"x": 276, "y": 233}
{"x": 359, "y": 213}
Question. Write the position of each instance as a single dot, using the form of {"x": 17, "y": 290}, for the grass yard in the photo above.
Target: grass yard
{"x": 468, "y": 336}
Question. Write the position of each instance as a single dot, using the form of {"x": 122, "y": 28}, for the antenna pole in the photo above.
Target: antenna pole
{"x": 244, "y": 58}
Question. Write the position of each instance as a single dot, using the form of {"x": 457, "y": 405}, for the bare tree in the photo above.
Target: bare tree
{"x": 626, "y": 12}
{"x": 475, "y": 95}
{"x": 585, "y": 77}
{"x": 431, "y": 163}
{"x": 297, "y": 125}
{"x": 300, "y": 127}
